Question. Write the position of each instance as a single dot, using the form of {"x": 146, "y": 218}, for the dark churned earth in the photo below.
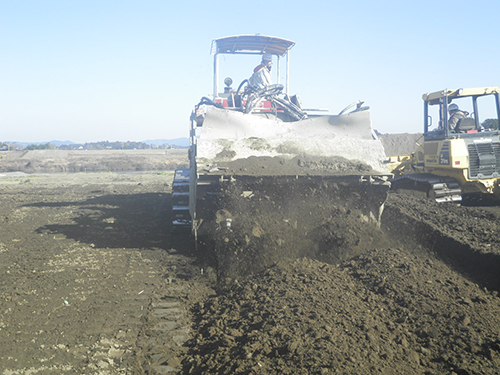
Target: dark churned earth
{"x": 424, "y": 301}
{"x": 94, "y": 282}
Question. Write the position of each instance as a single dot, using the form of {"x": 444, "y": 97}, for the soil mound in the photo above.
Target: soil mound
{"x": 386, "y": 311}
{"x": 417, "y": 300}
{"x": 400, "y": 144}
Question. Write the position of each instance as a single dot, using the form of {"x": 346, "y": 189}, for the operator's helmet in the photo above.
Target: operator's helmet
{"x": 452, "y": 107}
{"x": 267, "y": 57}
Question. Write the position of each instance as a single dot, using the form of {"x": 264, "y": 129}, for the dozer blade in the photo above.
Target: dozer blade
{"x": 228, "y": 136}
{"x": 268, "y": 190}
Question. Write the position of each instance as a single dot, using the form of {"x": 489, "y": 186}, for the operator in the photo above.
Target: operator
{"x": 455, "y": 115}
{"x": 261, "y": 76}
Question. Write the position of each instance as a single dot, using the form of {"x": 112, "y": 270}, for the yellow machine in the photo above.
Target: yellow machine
{"x": 455, "y": 162}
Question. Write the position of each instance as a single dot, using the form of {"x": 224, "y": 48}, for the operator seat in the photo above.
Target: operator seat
{"x": 465, "y": 124}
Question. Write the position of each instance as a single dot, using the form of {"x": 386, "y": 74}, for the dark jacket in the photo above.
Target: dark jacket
{"x": 456, "y": 117}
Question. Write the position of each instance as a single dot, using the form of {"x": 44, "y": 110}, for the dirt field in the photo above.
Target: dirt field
{"x": 90, "y": 281}
{"x": 61, "y": 161}
{"x": 93, "y": 282}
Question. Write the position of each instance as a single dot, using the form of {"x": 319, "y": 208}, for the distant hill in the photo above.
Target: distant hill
{"x": 60, "y": 143}
{"x": 55, "y": 143}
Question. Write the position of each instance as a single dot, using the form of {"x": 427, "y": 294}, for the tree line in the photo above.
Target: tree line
{"x": 103, "y": 145}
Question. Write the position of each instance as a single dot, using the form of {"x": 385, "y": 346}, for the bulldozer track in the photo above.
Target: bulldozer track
{"x": 441, "y": 189}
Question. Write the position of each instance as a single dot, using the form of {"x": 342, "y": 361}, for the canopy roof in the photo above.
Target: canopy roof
{"x": 477, "y": 91}
{"x": 258, "y": 44}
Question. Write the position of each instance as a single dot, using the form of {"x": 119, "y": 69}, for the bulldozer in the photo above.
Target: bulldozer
{"x": 265, "y": 173}
{"x": 455, "y": 162}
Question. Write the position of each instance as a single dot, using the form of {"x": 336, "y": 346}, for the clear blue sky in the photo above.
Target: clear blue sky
{"x": 132, "y": 70}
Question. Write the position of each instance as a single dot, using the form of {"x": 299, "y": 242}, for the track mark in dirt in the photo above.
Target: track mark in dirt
{"x": 82, "y": 260}
{"x": 160, "y": 347}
